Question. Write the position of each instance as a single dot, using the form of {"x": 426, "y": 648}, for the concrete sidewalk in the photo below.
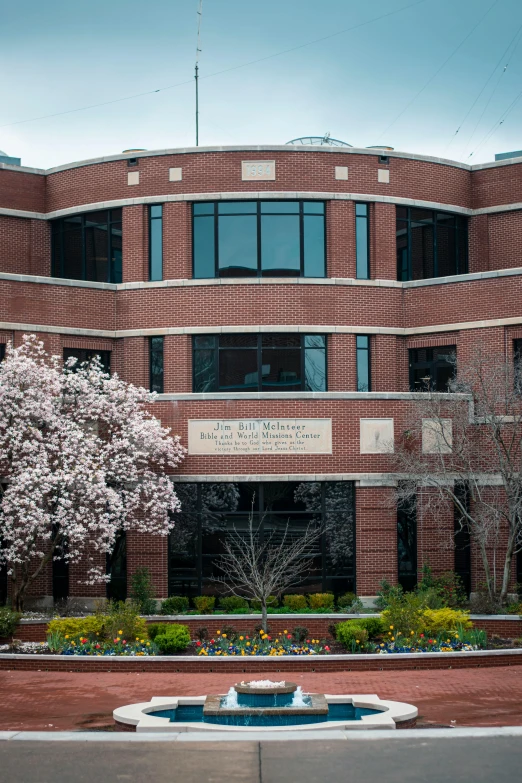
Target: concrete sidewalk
{"x": 429, "y": 759}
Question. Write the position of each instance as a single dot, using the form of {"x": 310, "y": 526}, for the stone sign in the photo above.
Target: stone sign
{"x": 260, "y": 436}
{"x": 258, "y": 170}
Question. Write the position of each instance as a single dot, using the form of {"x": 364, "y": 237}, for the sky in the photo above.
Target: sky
{"x": 408, "y": 74}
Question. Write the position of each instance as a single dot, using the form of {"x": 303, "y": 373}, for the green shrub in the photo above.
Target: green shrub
{"x": 271, "y": 603}
{"x": 93, "y": 625}
{"x": 204, "y": 604}
{"x": 300, "y": 633}
{"x": 123, "y": 617}
{"x": 8, "y": 621}
{"x": 515, "y": 608}
{"x": 350, "y": 634}
{"x": 154, "y": 629}
{"x": 321, "y": 601}
{"x": 295, "y": 602}
{"x": 173, "y": 638}
{"x": 374, "y": 625}
{"x": 404, "y": 615}
{"x": 347, "y": 599}
{"x": 233, "y": 603}
{"x": 451, "y": 589}
{"x": 436, "y": 621}
{"x": 387, "y": 593}
{"x": 175, "y": 604}
{"x": 142, "y": 591}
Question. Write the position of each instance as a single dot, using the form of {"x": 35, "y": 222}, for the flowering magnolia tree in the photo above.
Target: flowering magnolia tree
{"x": 81, "y": 458}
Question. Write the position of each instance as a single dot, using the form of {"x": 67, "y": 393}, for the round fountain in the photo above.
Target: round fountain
{"x": 262, "y": 705}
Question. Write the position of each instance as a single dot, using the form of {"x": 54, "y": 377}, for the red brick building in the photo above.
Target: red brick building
{"x": 285, "y": 302}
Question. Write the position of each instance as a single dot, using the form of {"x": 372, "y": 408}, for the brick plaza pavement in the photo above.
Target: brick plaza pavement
{"x": 73, "y": 701}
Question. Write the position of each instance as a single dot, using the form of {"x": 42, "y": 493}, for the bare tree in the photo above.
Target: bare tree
{"x": 464, "y": 448}
{"x": 257, "y": 567}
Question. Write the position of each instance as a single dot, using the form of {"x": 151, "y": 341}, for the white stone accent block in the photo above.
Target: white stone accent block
{"x": 341, "y": 172}
{"x": 133, "y": 178}
{"x": 437, "y": 436}
{"x": 175, "y": 174}
{"x": 383, "y": 175}
{"x": 376, "y": 436}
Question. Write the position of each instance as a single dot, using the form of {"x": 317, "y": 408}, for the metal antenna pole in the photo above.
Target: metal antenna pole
{"x": 196, "y": 70}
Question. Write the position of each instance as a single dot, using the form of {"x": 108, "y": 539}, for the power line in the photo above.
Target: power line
{"x": 446, "y": 61}
{"x": 225, "y": 70}
{"x": 483, "y": 89}
{"x": 490, "y": 98}
{"x": 498, "y": 123}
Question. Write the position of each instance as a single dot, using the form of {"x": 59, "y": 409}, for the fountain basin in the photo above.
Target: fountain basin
{"x": 186, "y": 714}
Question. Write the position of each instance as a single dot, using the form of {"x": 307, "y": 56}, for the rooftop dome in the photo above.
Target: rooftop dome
{"x": 319, "y": 141}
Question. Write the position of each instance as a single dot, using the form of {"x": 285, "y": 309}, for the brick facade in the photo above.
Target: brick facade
{"x": 397, "y": 316}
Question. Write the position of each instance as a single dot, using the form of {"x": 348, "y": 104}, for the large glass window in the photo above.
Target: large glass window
{"x": 88, "y": 246}
{"x": 362, "y": 241}
{"x": 364, "y": 376}
{"x": 210, "y": 512}
{"x": 259, "y": 238}
{"x": 407, "y": 546}
{"x": 156, "y": 364}
{"x": 430, "y": 243}
{"x": 432, "y": 369}
{"x": 156, "y": 242}
{"x": 2, "y": 351}
{"x": 517, "y": 358}
{"x": 117, "y": 569}
{"x": 253, "y": 362}
{"x": 84, "y": 355}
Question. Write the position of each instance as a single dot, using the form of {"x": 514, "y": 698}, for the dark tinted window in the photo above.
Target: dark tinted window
{"x": 432, "y": 369}
{"x": 430, "y": 244}
{"x": 86, "y": 355}
{"x": 407, "y": 547}
{"x": 88, "y": 247}
{"x": 363, "y": 363}
{"x": 156, "y": 364}
{"x": 2, "y": 351}
{"x": 211, "y": 511}
{"x": 259, "y": 238}
{"x": 251, "y": 362}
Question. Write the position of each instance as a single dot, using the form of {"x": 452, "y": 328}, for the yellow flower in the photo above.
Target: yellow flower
{"x": 241, "y": 638}
{"x": 393, "y": 638}
{"x": 148, "y": 644}
{"x": 456, "y": 636}
{"x": 248, "y": 644}
{"x": 218, "y": 632}
{"x": 223, "y": 636}
{"x": 412, "y": 633}
{"x": 391, "y": 627}
{"x": 67, "y": 636}
{"x": 276, "y": 641}
{"x": 142, "y": 640}
{"x": 285, "y": 631}
{"x": 357, "y": 641}
{"x": 120, "y": 633}
{"x": 382, "y": 645}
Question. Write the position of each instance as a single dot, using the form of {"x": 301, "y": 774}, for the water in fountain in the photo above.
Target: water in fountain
{"x": 230, "y": 700}
{"x": 300, "y": 700}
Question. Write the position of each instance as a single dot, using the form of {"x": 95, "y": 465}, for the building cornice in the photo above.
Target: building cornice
{"x": 11, "y": 326}
{"x": 288, "y": 148}
{"x": 255, "y": 195}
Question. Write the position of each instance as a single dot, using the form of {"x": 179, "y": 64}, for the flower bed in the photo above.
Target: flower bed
{"x": 261, "y": 644}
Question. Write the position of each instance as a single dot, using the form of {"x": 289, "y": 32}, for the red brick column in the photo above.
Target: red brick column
{"x": 478, "y": 238}
{"x": 40, "y": 260}
{"x": 340, "y": 239}
{"x": 177, "y": 240}
{"x": 383, "y": 260}
{"x": 177, "y": 358}
{"x": 376, "y": 539}
{"x": 341, "y": 362}
{"x": 151, "y": 552}
{"x": 435, "y": 541}
{"x": 135, "y": 244}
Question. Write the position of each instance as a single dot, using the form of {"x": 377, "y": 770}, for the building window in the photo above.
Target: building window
{"x": 362, "y": 241}
{"x": 407, "y": 546}
{"x": 432, "y": 369}
{"x": 209, "y": 512}
{"x": 84, "y": 355}
{"x": 462, "y": 537}
{"x": 252, "y": 362}
{"x": 259, "y": 239}
{"x": 2, "y": 352}
{"x": 517, "y": 359}
{"x": 117, "y": 569}
{"x": 156, "y": 242}
{"x": 430, "y": 244}
{"x": 88, "y": 247}
{"x": 364, "y": 375}
{"x": 156, "y": 364}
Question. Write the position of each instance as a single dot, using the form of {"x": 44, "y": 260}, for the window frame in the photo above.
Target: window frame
{"x": 259, "y": 356}
{"x": 258, "y": 213}
{"x": 103, "y": 353}
{"x": 412, "y": 366}
{"x": 366, "y": 218}
{"x": 461, "y": 268}
{"x": 57, "y": 227}
{"x": 152, "y": 218}
{"x": 368, "y": 351}
{"x": 151, "y": 374}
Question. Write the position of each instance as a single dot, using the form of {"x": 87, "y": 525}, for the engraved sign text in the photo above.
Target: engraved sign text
{"x": 260, "y": 436}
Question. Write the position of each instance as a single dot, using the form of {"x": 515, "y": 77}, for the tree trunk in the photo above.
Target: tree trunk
{"x": 507, "y": 570}
{"x": 264, "y": 616}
